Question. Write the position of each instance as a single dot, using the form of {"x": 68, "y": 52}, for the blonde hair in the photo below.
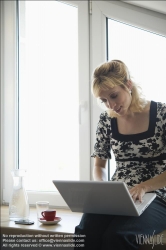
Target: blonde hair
{"x": 116, "y": 73}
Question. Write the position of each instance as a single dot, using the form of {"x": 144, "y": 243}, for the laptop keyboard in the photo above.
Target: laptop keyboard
{"x": 138, "y": 203}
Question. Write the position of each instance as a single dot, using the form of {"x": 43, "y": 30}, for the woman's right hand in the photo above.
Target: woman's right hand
{"x": 137, "y": 192}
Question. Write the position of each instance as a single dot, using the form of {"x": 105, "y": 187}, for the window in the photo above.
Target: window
{"x": 45, "y": 76}
{"x": 48, "y": 93}
{"x": 143, "y": 52}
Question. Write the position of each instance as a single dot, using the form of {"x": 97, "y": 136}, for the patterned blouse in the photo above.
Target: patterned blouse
{"x": 139, "y": 157}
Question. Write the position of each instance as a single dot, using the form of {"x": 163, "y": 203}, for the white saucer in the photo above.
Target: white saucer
{"x": 45, "y": 222}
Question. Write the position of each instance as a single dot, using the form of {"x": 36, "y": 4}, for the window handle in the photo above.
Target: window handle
{"x": 82, "y": 107}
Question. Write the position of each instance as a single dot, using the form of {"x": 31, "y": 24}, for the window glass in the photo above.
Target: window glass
{"x": 143, "y": 52}
{"x": 48, "y": 93}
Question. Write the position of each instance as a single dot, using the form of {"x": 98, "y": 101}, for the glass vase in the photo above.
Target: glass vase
{"x": 18, "y": 205}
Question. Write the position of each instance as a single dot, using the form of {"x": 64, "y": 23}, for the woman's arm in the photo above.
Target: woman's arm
{"x": 99, "y": 171}
{"x": 153, "y": 184}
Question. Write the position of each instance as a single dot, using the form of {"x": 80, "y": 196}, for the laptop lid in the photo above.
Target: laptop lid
{"x": 97, "y": 197}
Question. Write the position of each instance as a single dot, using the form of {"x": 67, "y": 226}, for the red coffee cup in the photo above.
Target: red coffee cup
{"x": 49, "y": 215}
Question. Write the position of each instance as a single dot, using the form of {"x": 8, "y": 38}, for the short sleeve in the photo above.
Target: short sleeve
{"x": 102, "y": 146}
{"x": 162, "y": 107}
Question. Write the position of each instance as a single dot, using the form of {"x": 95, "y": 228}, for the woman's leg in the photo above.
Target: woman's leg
{"x": 108, "y": 232}
{"x": 91, "y": 229}
{"x": 127, "y": 233}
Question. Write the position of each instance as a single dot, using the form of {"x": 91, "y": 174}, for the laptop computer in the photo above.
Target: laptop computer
{"x": 99, "y": 197}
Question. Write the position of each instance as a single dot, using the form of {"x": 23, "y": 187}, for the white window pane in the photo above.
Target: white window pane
{"x": 48, "y": 93}
{"x": 143, "y": 52}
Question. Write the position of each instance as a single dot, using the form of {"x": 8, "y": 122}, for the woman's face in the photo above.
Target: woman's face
{"x": 116, "y": 99}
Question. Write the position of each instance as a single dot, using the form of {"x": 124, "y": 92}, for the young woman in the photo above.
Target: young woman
{"x": 135, "y": 130}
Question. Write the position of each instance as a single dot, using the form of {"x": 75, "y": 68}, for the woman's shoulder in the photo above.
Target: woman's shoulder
{"x": 161, "y": 106}
{"x": 105, "y": 119}
{"x": 161, "y": 110}
{"x": 104, "y": 116}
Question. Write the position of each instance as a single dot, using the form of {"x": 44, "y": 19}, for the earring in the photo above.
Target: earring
{"x": 130, "y": 92}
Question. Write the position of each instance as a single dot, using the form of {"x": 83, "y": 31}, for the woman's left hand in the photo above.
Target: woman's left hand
{"x": 137, "y": 192}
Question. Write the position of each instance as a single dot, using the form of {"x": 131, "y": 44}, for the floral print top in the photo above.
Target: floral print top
{"x": 139, "y": 157}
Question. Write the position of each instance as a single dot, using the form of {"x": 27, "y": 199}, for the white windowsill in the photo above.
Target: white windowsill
{"x": 65, "y": 226}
